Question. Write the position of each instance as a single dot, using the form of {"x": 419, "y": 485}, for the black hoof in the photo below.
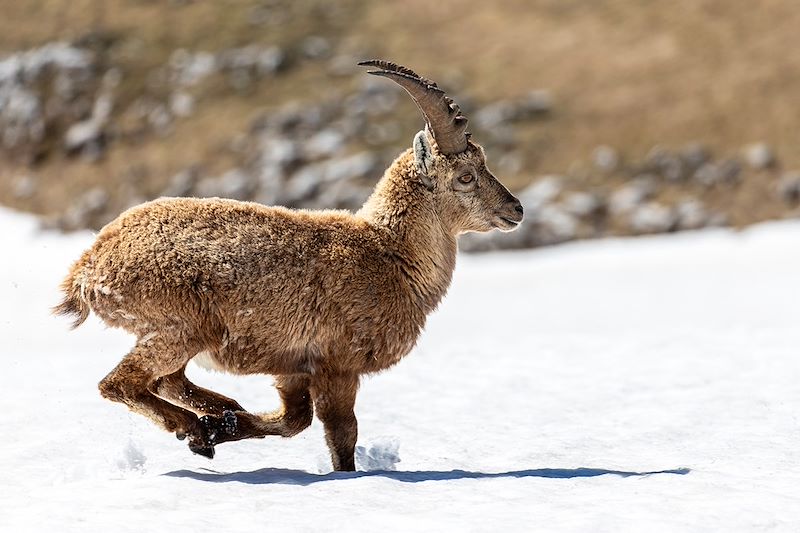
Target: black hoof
{"x": 180, "y": 435}
{"x": 215, "y": 429}
{"x": 230, "y": 424}
{"x": 205, "y": 451}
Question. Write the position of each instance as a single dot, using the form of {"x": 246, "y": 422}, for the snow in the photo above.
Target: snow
{"x": 619, "y": 385}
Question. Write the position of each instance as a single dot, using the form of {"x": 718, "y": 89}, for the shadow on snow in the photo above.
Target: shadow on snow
{"x": 266, "y": 476}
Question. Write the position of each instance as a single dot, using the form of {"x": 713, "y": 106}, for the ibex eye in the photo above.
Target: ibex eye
{"x": 466, "y": 178}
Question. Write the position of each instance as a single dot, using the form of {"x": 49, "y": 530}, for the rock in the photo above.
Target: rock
{"x": 112, "y": 78}
{"x": 94, "y": 200}
{"x": 357, "y": 165}
{"x": 80, "y": 134}
{"x": 690, "y": 214}
{"x": 583, "y": 204}
{"x": 628, "y": 197}
{"x": 536, "y": 102}
{"x": 305, "y": 183}
{"x": 241, "y": 79}
{"x": 21, "y": 117}
{"x": 270, "y": 60}
{"x": 694, "y": 155}
{"x": 160, "y": 119}
{"x": 235, "y": 183}
{"x": 182, "y": 183}
{"x": 725, "y": 172}
{"x": 555, "y": 225}
{"x": 41, "y": 89}
{"x": 191, "y": 68}
{"x": 652, "y": 217}
{"x": 87, "y": 137}
{"x": 759, "y": 156}
{"x": 271, "y": 180}
{"x": 373, "y": 98}
{"x": 541, "y": 192}
{"x": 324, "y": 144}
{"x": 666, "y": 164}
{"x": 247, "y": 64}
{"x": 510, "y": 163}
{"x": 344, "y": 195}
{"x": 730, "y": 171}
{"x": 316, "y": 47}
{"x": 789, "y": 188}
{"x": 494, "y": 114}
{"x": 101, "y": 110}
{"x": 279, "y": 151}
{"x": 499, "y": 113}
{"x": 238, "y": 184}
{"x": 605, "y": 158}
{"x": 181, "y": 104}
{"x": 302, "y": 184}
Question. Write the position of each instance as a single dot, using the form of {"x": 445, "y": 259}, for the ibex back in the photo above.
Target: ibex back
{"x": 315, "y": 298}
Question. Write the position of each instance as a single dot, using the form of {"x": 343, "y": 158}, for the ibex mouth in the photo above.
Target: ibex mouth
{"x": 506, "y": 224}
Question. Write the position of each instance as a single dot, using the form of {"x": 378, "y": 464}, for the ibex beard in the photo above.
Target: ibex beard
{"x": 314, "y": 298}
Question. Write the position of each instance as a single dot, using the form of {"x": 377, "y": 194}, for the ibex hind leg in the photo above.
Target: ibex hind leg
{"x": 294, "y": 415}
{"x": 132, "y": 380}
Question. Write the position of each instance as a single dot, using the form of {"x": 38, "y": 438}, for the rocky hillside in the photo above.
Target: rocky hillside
{"x": 612, "y": 118}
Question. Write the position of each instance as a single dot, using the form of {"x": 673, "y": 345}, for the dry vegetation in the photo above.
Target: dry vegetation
{"x": 628, "y": 74}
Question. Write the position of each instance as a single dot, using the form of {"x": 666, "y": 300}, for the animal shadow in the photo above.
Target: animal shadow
{"x": 269, "y": 476}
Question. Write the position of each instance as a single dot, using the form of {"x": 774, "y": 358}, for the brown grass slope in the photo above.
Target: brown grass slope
{"x": 623, "y": 73}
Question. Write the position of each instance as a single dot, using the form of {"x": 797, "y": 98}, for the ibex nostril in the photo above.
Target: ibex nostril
{"x": 518, "y": 209}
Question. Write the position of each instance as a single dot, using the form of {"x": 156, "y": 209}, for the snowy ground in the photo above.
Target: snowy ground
{"x": 634, "y": 385}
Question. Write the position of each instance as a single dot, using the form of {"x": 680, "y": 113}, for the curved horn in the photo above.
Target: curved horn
{"x": 442, "y": 115}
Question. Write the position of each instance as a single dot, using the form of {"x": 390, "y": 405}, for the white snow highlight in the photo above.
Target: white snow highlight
{"x": 624, "y": 385}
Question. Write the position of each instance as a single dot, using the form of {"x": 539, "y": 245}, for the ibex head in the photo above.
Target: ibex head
{"x": 448, "y": 163}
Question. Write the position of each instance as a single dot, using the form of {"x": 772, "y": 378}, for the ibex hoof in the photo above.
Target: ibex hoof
{"x": 230, "y": 424}
{"x": 205, "y": 451}
{"x": 216, "y": 429}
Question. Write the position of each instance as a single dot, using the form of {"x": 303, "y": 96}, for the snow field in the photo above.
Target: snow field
{"x": 620, "y": 385}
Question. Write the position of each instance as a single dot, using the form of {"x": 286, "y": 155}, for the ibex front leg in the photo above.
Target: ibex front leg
{"x": 334, "y": 398}
{"x": 176, "y": 388}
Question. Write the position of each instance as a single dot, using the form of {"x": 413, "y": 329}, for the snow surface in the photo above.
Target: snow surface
{"x": 647, "y": 384}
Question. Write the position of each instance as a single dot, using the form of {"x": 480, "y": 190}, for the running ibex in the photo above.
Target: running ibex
{"x": 314, "y": 298}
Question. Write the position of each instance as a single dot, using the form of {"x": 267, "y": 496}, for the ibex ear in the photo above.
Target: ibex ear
{"x": 423, "y": 157}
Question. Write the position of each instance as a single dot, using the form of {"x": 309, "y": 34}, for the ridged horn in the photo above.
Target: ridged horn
{"x": 443, "y": 116}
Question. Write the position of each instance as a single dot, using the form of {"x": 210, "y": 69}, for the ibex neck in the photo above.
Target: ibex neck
{"x": 424, "y": 248}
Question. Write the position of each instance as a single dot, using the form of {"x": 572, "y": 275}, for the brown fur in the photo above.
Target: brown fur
{"x": 314, "y": 298}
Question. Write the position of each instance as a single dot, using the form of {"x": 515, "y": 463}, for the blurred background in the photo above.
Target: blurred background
{"x": 607, "y": 117}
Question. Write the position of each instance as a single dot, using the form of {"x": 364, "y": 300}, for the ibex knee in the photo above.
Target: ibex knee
{"x": 111, "y": 389}
{"x": 118, "y": 389}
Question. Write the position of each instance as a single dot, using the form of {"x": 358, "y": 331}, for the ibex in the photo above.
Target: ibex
{"x": 314, "y": 298}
